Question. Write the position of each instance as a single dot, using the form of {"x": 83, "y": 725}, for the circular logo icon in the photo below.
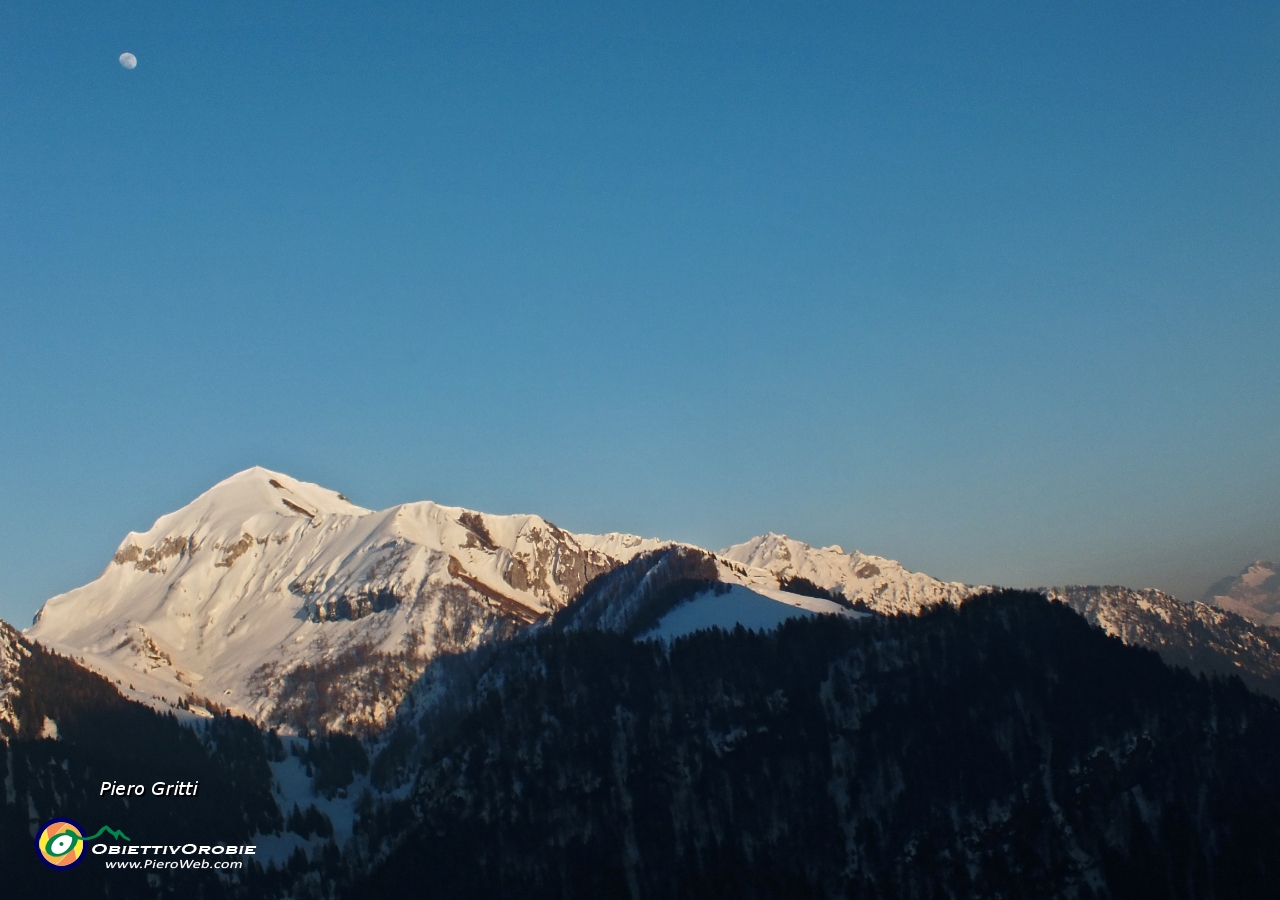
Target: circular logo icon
{"x": 61, "y": 843}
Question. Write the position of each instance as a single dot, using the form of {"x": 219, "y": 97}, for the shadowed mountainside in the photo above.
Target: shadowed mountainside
{"x": 1005, "y": 748}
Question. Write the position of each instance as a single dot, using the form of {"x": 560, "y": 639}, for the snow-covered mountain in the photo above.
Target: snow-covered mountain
{"x": 285, "y": 601}
{"x": 879, "y": 584}
{"x": 1254, "y": 593}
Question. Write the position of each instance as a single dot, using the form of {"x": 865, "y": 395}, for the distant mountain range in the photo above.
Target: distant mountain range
{"x": 284, "y": 601}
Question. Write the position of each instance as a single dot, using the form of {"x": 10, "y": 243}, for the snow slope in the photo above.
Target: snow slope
{"x": 880, "y": 584}
{"x": 284, "y": 601}
{"x": 754, "y": 608}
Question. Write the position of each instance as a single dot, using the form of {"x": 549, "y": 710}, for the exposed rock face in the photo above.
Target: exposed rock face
{"x": 155, "y": 559}
{"x": 1198, "y": 636}
{"x": 363, "y": 604}
{"x": 547, "y": 559}
{"x": 1254, "y": 593}
{"x": 232, "y": 552}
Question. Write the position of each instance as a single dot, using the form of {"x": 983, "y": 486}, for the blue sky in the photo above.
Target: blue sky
{"x": 993, "y": 289}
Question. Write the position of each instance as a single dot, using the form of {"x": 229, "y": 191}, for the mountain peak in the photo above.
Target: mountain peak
{"x": 253, "y": 500}
{"x": 264, "y": 488}
{"x": 1254, "y": 593}
{"x": 777, "y": 548}
{"x": 882, "y": 584}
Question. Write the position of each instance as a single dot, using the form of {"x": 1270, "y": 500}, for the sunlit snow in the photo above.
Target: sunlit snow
{"x": 739, "y": 605}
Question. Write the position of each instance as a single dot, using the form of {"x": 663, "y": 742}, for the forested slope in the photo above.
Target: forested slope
{"x": 1002, "y": 749}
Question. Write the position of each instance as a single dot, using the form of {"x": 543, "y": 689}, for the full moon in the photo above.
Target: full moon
{"x": 128, "y": 60}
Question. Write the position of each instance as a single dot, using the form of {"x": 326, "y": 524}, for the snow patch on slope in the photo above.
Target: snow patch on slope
{"x": 756, "y": 609}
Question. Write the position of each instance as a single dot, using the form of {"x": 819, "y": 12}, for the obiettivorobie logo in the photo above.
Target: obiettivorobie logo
{"x": 61, "y": 842}
{"x": 61, "y": 845}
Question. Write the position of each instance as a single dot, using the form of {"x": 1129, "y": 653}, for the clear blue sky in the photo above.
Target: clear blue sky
{"x": 993, "y": 289}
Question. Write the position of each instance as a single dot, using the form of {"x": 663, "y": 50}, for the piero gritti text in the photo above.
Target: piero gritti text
{"x": 157, "y": 789}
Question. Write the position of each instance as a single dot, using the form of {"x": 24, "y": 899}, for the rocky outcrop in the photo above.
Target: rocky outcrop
{"x": 153, "y": 559}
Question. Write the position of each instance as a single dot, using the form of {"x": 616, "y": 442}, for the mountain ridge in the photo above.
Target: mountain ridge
{"x": 879, "y": 584}
{"x": 286, "y": 602}
{"x": 265, "y": 592}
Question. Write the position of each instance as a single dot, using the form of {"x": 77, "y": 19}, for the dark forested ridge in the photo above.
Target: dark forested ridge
{"x": 1201, "y": 637}
{"x": 632, "y": 598}
{"x": 101, "y": 736}
{"x": 1004, "y": 749}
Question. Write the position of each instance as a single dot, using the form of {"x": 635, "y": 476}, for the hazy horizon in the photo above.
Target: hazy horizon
{"x": 95, "y": 567}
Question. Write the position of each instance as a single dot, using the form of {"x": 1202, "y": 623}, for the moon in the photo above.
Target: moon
{"x": 128, "y": 60}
